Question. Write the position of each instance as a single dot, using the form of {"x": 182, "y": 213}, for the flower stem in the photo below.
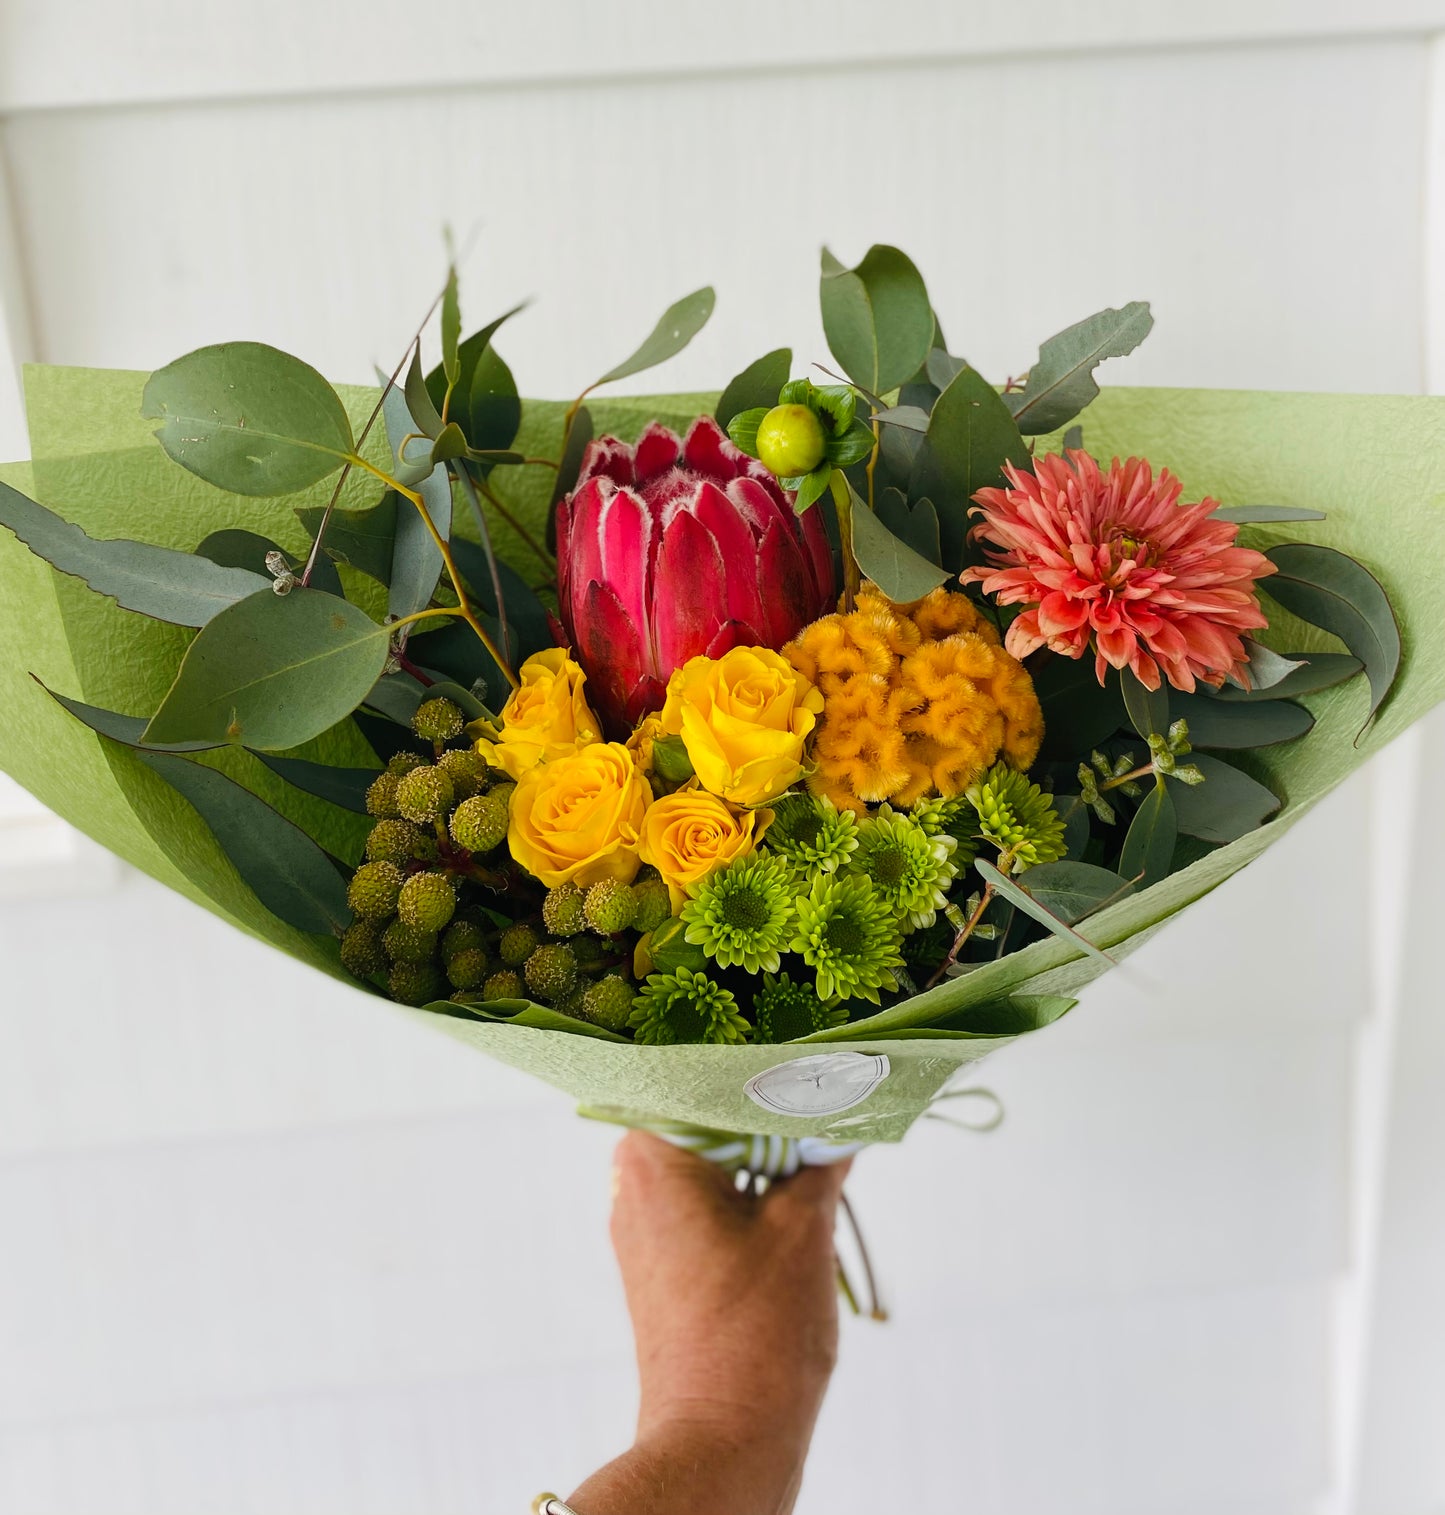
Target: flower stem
{"x": 969, "y": 927}
{"x": 463, "y": 608}
{"x": 843, "y": 504}
{"x": 1126, "y": 778}
{"x": 494, "y": 500}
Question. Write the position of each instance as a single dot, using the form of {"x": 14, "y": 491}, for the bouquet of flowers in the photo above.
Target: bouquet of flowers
{"x": 748, "y": 762}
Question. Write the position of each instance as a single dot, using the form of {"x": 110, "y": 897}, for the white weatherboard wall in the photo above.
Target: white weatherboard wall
{"x": 266, "y": 1247}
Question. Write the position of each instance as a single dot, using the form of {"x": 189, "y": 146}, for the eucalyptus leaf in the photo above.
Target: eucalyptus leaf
{"x": 470, "y": 351}
{"x": 249, "y": 418}
{"x": 1149, "y": 842}
{"x": 1227, "y": 805}
{"x": 419, "y": 402}
{"x": 757, "y": 386}
{"x": 125, "y": 729}
{"x": 470, "y": 705}
{"x": 901, "y": 573}
{"x": 1079, "y": 713}
{"x": 451, "y": 444}
{"x": 1075, "y": 815}
{"x": 494, "y": 409}
{"x": 574, "y": 449}
{"x": 166, "y": 585}
{"x": 910, "y": 417}
{"x": 1240, "y": 724}
{"x": 362, "y": 539}
{"x": 345, "y": 787}
{"x": 1037, "y": 910}
{"x": 877, "y": 318}
{"x": 291, "y": 876}
{"x": 526, "y": 614}
{"x": 1260, "y": 515}
{"x": 1061, "y": 383}
{"x": 1073, "y": 891}
{"x": 1266, "y": 668}
{"x": 1341, "y": 596}
{"x": 971, "y": 435}
{"x": 1147, "y": 709}
{"x": 916, "y": 528}
{"x": 1312, "y": 671}
{"x": 272, "y": 672}
{"x": 397, "y": 697}
{"x": 416, "y": 562}
{"x": 234, "y": 547}
{"x": 680, "y": 323}
{"x": 451, "y": 326}
{"x": 943, "y": 368}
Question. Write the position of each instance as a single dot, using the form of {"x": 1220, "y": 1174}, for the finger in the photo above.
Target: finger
{"x": 812, "y": 1187}
{"x": 649, "y": 1170}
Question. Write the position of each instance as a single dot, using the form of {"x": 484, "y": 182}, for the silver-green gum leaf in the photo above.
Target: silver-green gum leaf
{"x": 970, "y": 436}
{"x": 416, "y": 563}
{"x": 680, "y": 323}
{"x": 901, "y": 573}
{"x": 272, "y": 672}
{"x": 1037, "y": 910}
{"x": 1226, "y": 806}
{"x": 1061, "y": 383}
{"x": 1312, "y": 672}
{"x": 1149, "y": 844}
{"x": 1240, "y": 724}
{"x": 876, "y": 317}
{"x": 159, "y": 582}
{"x": 1148, "y": 709}
{"x": 249, "y": 418}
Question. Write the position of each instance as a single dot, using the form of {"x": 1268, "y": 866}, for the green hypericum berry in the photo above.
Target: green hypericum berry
{"x": 393, "y": 841}
{"x": 551, "y": 970}
{"x": 1018, "y": 818}
{"x": 910, "y": 869}
{"x": 608, "y": 1002}
{"x": 467, "y": 968}
{"x": 742, "y": 916}
{"x": 654, "y": 904}
{"x": 404, "y": 762}
{"x": 466, "y": 770}
{"x": 611, "y": 906}
{"x": 848, "y": 935}
{"x": 415, "y": 983}
{"x": 408, "y": 943}
{"x": 461, "y": 936}
{"x": 424, "y": 795}
{"x": 427, "y": 900}
{"x": 686, "y": 1007}
{"x": 504, "y": 985}
{"x": 784, "y": 1011}
{"x": 562, "y": 911}
{"x": 790, "y": 441}
{"x": 361, "y": 950}
{"x": 812, "y": 833}
{"x": 480, "y": 823}
{"x": 503, "y": 790}
{"x": 518, "y": 943}
{"x": 438, "y": 720}
{"x": 373, "y": 891}
{"x": 381, "y": 796}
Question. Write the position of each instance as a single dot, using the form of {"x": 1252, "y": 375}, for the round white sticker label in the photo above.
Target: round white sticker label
{"x": 821, "y": 1085}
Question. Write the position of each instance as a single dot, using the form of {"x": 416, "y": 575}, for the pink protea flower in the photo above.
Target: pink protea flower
{"x": 1114, "y": 561}
{"x": 679, "y": 548}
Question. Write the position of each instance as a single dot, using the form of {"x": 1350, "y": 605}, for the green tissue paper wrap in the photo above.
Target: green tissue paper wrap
{"x": 1374, "y": 465}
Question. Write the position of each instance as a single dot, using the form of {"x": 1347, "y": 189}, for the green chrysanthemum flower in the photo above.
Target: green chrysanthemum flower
{"x": 785, "y": 1011}
{"x": 847, "y": 934}
{"x": 1018, "y": 818}
{"x": 951, "y": 817}
{"x": 811, "y": 833}
{"x": 909, "y": 869}
{"x": 686, "y": 1007}
{"x": 742, "y": 916}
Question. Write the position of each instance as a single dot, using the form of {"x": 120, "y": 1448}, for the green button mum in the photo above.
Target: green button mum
{"x": 742, "y": 916}
{"x": 686, "y": 1007}
{"x": 848, "y": 935}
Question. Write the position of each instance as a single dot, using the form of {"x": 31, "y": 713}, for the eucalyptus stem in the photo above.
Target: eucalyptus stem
{"x": 463, "y": 608}
{"x": 486, "y": 539}
{"x": 969, "y": 927}
{"x": 1126, "y": 778}
{"x": 495, "y": 501}
{"x": 843, "y": 505}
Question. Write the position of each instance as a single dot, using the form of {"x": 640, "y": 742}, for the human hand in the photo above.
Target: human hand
{"x": 734, "y": 1308}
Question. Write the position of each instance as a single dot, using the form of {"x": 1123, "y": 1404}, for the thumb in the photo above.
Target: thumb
{"x": 812, "y": 1188}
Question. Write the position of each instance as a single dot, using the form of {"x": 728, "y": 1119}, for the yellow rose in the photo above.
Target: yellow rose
{"x": 690, "y": 834}
{"x": 744, "y": 719}
{"x": 579, "y": 817}
{"x": 547, "y": 717}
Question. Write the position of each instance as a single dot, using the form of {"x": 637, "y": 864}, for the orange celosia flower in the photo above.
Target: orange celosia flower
{"x": 917, "y": 700}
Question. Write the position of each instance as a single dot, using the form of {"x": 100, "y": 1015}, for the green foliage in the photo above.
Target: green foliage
{"x": 756, "y": 387}
{"x": 1149, "y": 843}
{"x": 970, "y": 436}
{"x": 346, "y": 787}
{"x": 916, "y": 528}
{"x": 291, "y": 876}
{"x": 1341, "y": 596}
{"x": 1072, "y": 891}
{"x": 249, "y": 418}
{"x": 416, "y": 562}
{"x": 179, "y": 587}
{"x": 1310, "y": 672}
{"x": 1147, "y": 709}
{"x": 876, "y": 317}
{"x": 1214, "y": 722}
{"x": 1225, "y": 806}
{"x": 272, "y": 671}
{"x": 363, "y": 539}
{"x": 679, "y": 324}
{"x": 900, "y": 572}
{"x": 1258, "y": 515}
{"x": 1061, "y": 383}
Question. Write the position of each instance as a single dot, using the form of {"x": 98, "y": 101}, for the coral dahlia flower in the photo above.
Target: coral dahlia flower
{"x": 1115, "y": 562}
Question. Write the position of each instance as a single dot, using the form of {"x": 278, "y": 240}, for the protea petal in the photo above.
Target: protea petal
{"x": 707, "y": 451}
{"x": 688, "y": 589}
{"x": 609, "y": 646}
{"x": 740, "y": 590}
{"x": 606, "y": 458}
{"x": 657, "y": 451}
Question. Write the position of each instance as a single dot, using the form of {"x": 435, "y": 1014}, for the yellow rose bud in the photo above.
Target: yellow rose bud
{"x": 744, "y": 719}
{"x": 688, "y": 835}
{"x": 546, "y": 718}
{"x": 578, "y": 818}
